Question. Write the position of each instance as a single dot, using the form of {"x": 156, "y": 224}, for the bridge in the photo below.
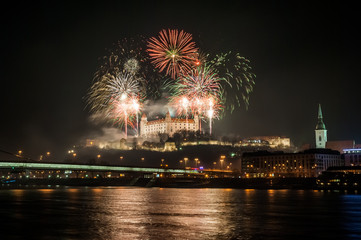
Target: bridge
{"x": 36, "y": 173}
{"x": 93, "y": 168}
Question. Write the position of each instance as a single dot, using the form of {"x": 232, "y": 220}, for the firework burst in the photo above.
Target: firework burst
{"x": 200, "y": 85}
{"x": 238, "y": 78}
{"x": 116, "y": 99}
{"x": 200, "y": 58}
{"x": 172, "y": 51}
{"x": 125, "y": 55}
{"x": 133, "y": 71}
{"x": 198, "y": 93}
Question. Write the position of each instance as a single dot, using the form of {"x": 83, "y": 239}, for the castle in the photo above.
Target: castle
{"x": 167, "y": 125}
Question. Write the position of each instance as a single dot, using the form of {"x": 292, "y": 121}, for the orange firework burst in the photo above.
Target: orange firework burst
{"x": 173, "y": 51}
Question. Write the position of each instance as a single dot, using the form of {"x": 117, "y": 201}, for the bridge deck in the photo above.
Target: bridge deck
{"x": 81, "y": 167}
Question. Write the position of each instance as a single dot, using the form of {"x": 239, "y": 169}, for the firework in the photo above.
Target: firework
{"x": 200, "y": 58}
{"x": 200, "y": 85}
{"x": 116, "y": 98}
{"x": 125, "y": 111}
{"x": 199, "y": 93}
{"x": 127, "y": 56}
{"x": 172, "y": 51}
{"x": 238, "y": 78}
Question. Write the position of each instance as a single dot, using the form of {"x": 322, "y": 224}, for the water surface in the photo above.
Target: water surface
{"x": 170, "y": 213}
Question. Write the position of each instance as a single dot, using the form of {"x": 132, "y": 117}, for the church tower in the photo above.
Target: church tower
{"x": 320, "y": 132}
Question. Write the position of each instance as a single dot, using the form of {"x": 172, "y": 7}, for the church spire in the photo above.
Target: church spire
{"x": 319, "y": 111}
{"x": 320, "y": 132}
{"x": 320, "y": 124}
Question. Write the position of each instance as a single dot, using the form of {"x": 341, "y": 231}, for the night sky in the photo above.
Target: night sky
{"x": 303, "y": 54}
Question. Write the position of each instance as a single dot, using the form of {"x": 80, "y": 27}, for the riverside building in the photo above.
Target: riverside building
{"x": 309, "y": 163}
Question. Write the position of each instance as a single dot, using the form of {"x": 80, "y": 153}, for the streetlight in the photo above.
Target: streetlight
{"x": 185, "y": 162}
{"x": 221, "y": 160}
{"x": 196, "y": 159}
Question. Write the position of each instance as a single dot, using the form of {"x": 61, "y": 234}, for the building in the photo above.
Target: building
{"x": 167, "y": 125}
{"x": 352, "y": 157}
{"x": 309, "y": 163}
{"x": 346, "y": 177}
{"x": 270, "y": 141}
{"x": 321, "y": 137}
{"x": 320, "y": 131}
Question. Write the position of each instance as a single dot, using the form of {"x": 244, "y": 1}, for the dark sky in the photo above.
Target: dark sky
{"x": 303, "y": 53}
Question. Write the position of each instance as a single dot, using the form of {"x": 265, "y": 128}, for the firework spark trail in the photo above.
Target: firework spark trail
{"x": 125, "y": 111}
{"x": 198, "y": 93}
{"x": 116, "y": 99}
{"x": 238, "y": 78}
{"x": 200, "y": 85}
{"x": 125, "y": 55}
{"x": 173, "y": 52}
{"x": 196, "y": 84}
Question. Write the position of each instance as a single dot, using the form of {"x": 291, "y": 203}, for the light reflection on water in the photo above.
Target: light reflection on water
{"x": 170, "y": 213}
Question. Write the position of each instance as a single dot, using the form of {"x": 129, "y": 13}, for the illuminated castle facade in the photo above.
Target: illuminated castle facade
{"x": 168, "y": 125}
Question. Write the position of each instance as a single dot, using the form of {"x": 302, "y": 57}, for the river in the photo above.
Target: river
{"x": 172, "y": 213}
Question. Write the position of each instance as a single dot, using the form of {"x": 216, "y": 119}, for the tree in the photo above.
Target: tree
{"x": 163, "y": 137}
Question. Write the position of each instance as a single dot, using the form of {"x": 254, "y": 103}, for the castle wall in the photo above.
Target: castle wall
{"x": 168, "y": 125}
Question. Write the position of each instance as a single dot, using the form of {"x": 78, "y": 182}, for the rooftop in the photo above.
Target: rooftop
{"x": 278, "y": 153}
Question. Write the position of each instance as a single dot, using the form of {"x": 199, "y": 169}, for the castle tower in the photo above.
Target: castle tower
{"x": 168, "y": 117}
{"x": 196, "y": 121}
{"x": 320, "y": 132}
{"x": 143, "y": 123}
{"x": 168, "y": 124}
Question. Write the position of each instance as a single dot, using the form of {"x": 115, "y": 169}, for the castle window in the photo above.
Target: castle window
{"x": 319, "y": 138}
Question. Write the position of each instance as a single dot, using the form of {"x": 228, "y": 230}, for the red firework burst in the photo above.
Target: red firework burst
{"x": 173, "y": 51}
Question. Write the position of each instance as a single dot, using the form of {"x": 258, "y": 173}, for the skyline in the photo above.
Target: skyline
{"x": 302, "y": 56}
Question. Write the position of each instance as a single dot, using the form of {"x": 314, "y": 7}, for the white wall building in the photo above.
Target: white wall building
{"x": 168, "y": 125}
